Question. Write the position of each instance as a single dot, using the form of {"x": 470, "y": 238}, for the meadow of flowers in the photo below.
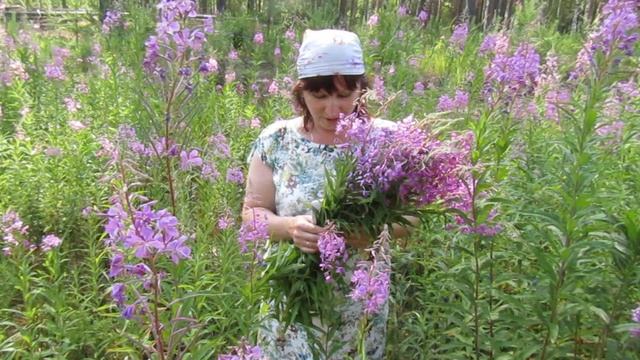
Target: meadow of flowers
{"x": 123, "y": 147}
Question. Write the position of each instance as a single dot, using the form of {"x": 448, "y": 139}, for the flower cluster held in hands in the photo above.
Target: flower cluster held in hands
{"x": 406, "y": 162}
{"x": 392, "y": 172}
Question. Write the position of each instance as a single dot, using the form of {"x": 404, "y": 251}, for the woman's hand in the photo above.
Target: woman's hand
{"x": 358, "y": 240}
{"x": 304, "y": 233}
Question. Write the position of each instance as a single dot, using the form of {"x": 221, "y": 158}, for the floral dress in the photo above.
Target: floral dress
{"x": 298, "y": 166}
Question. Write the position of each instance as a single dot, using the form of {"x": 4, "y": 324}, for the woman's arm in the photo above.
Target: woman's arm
{"x": 259, "y": 205}
{"x": 400, "y": 231}
{"x": 362, "y": 241}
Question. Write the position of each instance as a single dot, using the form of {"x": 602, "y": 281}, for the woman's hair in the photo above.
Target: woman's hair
{"x": 330, "y": 85}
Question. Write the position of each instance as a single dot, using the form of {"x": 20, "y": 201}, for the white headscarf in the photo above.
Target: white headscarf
{"x": 329, "y": 52}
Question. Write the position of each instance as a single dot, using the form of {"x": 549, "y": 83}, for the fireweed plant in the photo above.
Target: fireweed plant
{"x": 143, "y": 240}
{"x": 147, "y": 242}
{"x": 173, "y": 59}
{"x": 27, "y": 257}
{"x": 603, "y": 54}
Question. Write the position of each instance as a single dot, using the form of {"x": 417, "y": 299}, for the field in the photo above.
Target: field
{"x": 108, "y": 127}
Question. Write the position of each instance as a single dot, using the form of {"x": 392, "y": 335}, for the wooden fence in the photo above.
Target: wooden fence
{"x": 567, "y": 14}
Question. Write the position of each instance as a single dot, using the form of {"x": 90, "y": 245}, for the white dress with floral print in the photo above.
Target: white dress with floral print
{"x": 298, "y": 166}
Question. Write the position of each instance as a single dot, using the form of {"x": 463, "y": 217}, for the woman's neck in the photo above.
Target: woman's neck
{"x": 318, "y": 135}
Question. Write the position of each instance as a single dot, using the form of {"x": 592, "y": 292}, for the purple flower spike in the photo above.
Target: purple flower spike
{"x": 373, "y": 20}
{"x": 618, "y": 31}
{"x": 459, "y": 36}
{"x": 149, "y": 232}
{"x": 403, "y": 11}
{"x": 423, "y": 16}
{"x": 118, "y": 293}
{"x": 117, "y": 265}
{"x": 258, "y": 38}
{"x": 221, "y": 145}
{"x": 13, "y": 232}
{"x": 189, "y": 160}
{"x": 129, "y": 311}
{"x": 207, "y": 25}
{"x": 290, "y": 35}
{"x": 333, "y": 252}
{"x": 49, "y": 242}
{"x": 255, "y": 233}
{"x": 209, "y": 67}
{"x": 210, "y": 172}
{"x": 371, "y": 280}
{"x": 112, "y": 19}
{"x": 235, "y": 175}
{"x": 244, "y": 351}
{"x": 635, "y": 317}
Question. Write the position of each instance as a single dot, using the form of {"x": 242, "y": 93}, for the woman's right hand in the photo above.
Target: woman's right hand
{"x": 304, "y": 233}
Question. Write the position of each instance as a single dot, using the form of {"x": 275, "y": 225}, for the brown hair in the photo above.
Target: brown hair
{"x": 330, "y": 84}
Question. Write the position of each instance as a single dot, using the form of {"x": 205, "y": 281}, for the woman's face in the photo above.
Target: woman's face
{"x": 326, "y": 108}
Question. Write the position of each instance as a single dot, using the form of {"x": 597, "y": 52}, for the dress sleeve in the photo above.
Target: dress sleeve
{"x": 265, "y": 146}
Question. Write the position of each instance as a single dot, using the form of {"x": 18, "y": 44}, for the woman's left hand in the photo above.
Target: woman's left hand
{"x": 358, "y": 240}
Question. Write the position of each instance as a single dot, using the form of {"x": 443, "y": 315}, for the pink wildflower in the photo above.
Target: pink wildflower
{"x": 423, "y": 16}
{"x": 76, "y": 125}
{"x": 333, "y": 252}
{"x": 258, "y": 38}
{"x": 49, "y": 242}
{"x": 373, "y": 20}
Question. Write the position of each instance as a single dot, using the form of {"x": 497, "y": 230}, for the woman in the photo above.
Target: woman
{"x": 286, "y": 174}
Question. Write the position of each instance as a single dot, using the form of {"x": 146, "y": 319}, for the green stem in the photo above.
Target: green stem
{"x": 172, "y": 192}
{"x": 156, "y": 304}
{"x": 620, "y": 294}
{"x": 362, "y": 344}
{"x": 576, "y": 335}
{"x": 555, "y": 293}
{"x": 476, "y": 296}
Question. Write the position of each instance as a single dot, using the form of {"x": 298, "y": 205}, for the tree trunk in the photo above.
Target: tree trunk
{"x": 353, "y": 14}
{"x": 221, "y": 5}
{"x": 342, "y": 13}
{"x": 203, "y": 6}
{"x": 504, "y": 6}
{"x": 479, "y": 7}
{"x": 457, "y": 10}
{"x": 365, "y": 10}
{"x": 489, "y": 13}
{"x": 471, "y": 8}
{"x": 435, "y": 9}
{"x": 421, "y": 5}
{"x": 592, "y": 10}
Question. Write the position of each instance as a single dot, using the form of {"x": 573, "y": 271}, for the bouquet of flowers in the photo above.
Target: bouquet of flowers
{"x": 382, "y": 176}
